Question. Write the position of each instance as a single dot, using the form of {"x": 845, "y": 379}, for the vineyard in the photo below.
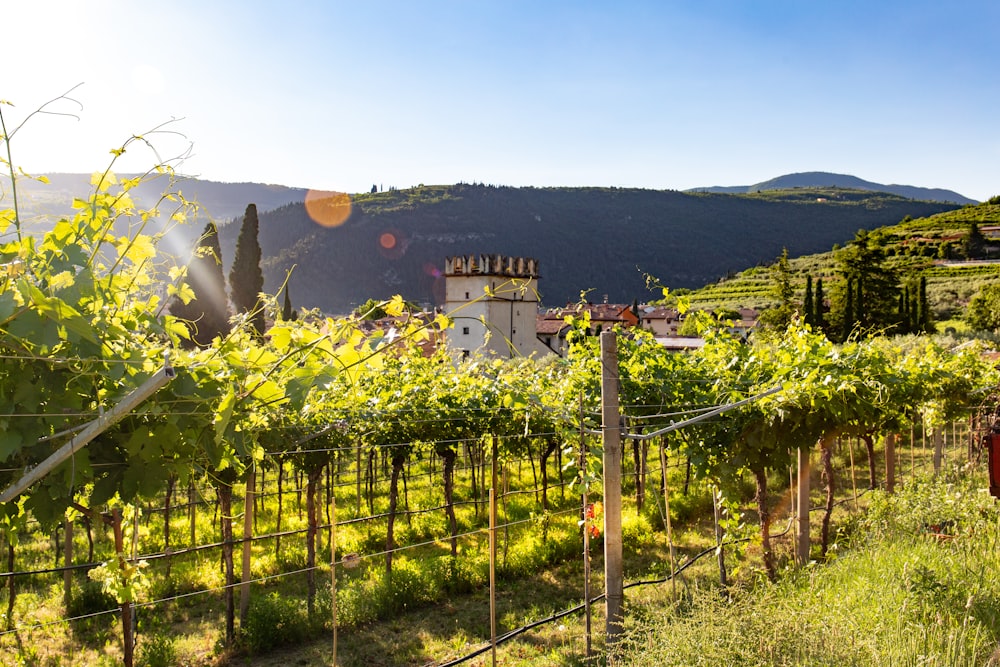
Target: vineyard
{"x": 316, "y": 479}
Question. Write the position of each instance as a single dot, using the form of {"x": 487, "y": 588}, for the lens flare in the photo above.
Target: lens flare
{"x": 391, "y": 243}
{"x": 328, "y": 209}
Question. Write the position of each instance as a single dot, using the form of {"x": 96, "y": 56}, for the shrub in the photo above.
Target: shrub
{"x": 156, "y": 651}
{"x": 273, "y": 621}
{"x": 88, "y": 602}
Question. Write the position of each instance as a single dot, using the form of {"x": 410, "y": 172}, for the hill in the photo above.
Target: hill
{"x": 923, "y": 247}
{"x": 823, "y": 179}
{"x": 600, "y": 239}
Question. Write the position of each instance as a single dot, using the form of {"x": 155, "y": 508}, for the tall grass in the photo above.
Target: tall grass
{"x": 918, "y": 585}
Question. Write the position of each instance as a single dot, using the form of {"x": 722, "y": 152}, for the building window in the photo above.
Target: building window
{"x": 465, "y": 330}
{"x": 465, "y": 354}
{"x": 466, "y": 295}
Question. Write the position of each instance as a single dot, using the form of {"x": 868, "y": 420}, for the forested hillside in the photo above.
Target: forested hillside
{"x": 931, "y": 247}
{"x": 601, "y": 239}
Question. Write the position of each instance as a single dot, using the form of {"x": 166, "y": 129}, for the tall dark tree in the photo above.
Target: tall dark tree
{"x": 847, "y": 313}
{"x": 246, "y": 280}
{"x": 779, "y": 316}
{"x": 924, "y": 319}
{"x": 974, "y": 244}
{"x": 905, "y": 312}
{"x": 288, "y": 313}
{"x": 819, "y": 300}
{"x": 870, "y": 283}
{"x": 901, "y": 309}
{"x": 808, "y": 309}
{"x": 207, "y": 314}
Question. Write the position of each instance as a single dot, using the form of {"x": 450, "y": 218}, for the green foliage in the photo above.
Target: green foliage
{"x": 157, "y": 650}
{"x": 974, "y": 244}
{"x": 273, "y": 621}
{"x": 984, "y": 309}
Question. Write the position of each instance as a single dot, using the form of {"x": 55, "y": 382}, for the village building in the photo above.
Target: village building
{"x": 493, "y": 300}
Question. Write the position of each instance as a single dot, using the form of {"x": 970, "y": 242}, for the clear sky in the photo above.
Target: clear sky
{"x": 340, "y": 95}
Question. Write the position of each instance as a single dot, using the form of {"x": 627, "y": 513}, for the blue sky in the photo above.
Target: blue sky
{"x": 341, "y": 95}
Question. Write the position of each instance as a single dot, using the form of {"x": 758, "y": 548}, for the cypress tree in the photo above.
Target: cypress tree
{"x": 807, "y": 303}
{"x": 860, "y": 311}
{"x": 207, "y": 314}
{"x": 974, "y": 245}
{"x": 924, "y": 308}
{"x": 848, "y": 311}
{"x": 288, "y": 313}
{"x": 818, "y": 299}
{"x": 901, "y": 308}
{"x": 906, "y": 314}
{"x": 246, "y": 280}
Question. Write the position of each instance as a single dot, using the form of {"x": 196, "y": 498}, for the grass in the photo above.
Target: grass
{"x": 898, "y": 596}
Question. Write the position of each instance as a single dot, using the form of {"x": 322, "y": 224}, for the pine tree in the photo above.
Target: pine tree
{"x": 809, "y": 315}
{"x": 246, "y": 280}
{"x": 875, "y": 294}
{"x": 207, "y": 314}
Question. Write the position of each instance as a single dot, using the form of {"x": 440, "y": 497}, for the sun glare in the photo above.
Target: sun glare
{"x": 329, "y": 209}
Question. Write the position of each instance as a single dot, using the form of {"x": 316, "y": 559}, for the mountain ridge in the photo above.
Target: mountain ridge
{"x": 826, "y": 179}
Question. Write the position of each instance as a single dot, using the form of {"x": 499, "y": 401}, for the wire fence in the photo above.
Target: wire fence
{"x": 911, "y": 454}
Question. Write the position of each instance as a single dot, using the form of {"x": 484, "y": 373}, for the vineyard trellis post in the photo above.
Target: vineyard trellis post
{"x": 586, "y": 531}
{"x": 890, "y": 462}
{"x": 938, "y": 440}
{"x": 126, "y": 606}
{"x": 720, "y": 552}
{"x": 333, "y": 570}
{"x": 248, "y": 514}
{"x": 611, "y": 431}
{"x": 68, "y": 561}
{"x": 802, "y": 528}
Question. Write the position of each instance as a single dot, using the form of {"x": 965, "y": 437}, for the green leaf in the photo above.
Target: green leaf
{"x": 10, "y": 442}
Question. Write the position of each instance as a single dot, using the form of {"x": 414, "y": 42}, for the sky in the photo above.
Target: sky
{"x": 346, "y": 94}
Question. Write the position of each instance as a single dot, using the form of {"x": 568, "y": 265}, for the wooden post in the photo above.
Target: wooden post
{"x": 333, "y": 570}
{"x": 802, "y": 531}
{"x": 191, "y": 512}
{"x": 890, "y": 462}
{"x": 938, "y": 447}
{"x": 68, "y": 561}
{"x": 247, "y": 535}
{"x": 493, "y": 575}
{"x": 586, "y": 535}
{"x": 666, "y": 509}
{"x": 126, "y": 606}
{"x": 611, "y": 427}
{"x": 718, "y": 541}
{"x": 493, "y": 550}
{"x": 854, "y": 479}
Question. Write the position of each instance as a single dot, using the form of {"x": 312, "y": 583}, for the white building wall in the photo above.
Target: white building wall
{"x": 494, "y": 301}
